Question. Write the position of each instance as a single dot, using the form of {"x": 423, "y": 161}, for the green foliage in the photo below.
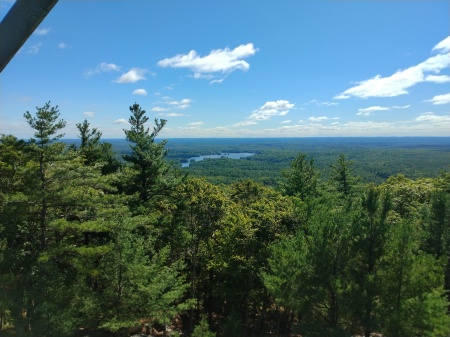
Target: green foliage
{"x": 412, "y": 297}
{"x": 136, "y": 286}
{"x": 89, "y": 244}
{"x": 46, "y": 124}
{"x": 342, "y": 175}
{"x": 95, "y": 152}
{"x": 301, "y": 178}
{"x": 202, "y": 329}
{"x": 309, "y": 271}
{"x": 151, "y": 176}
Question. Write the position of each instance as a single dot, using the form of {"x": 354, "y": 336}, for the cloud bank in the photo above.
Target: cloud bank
{"x": 399, "y": 83}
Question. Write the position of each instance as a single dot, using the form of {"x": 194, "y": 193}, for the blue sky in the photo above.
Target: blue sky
{"x": 237, "y": 68}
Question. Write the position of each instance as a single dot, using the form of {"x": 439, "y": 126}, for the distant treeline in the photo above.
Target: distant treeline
{"x": 375, "y": 159}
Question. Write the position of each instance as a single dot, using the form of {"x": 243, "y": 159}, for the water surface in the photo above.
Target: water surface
{"x": 217, "y": 156}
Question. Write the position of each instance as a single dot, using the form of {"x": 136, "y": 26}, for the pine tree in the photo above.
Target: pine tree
{"x": 342, "y": 175}
{"x": 94, "y": 151}
{"x": 301, "y": 179}
{"x": 151, "y": 175}
{"x": 46, "y": 124}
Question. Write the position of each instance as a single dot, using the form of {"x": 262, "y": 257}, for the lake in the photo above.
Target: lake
{"x": 217, "y": 156}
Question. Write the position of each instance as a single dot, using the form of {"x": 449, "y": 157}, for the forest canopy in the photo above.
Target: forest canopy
{"x": 93, "y": 243}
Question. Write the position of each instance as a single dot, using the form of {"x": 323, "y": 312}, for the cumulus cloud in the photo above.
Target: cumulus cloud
{"x": 120, "y": 121}
{"x": 399, "y": 83}
{"x": 183, "y": 104}
{"x": 102, "y": 68}
{"x": 173, "y": 104}
{"x": 286, "y": 122}
{"x": 244, "y": 123}
{"x": 443, "y": 46}
{"x": 432, "y": 118}
{"x": 88, "y": 114}
{"x": 369, "y": 110}
{"x": 440, "y": 99}
{"x": 132, "y": 76}
{"x": 437, "y": 78}
{"x": 141, "y": 92}
{"x": 318, "y": 119}
{"x": 62, "y": 45}
{"x": 218, "y": 60}
{"x": 42, "y": 31}
{"x": 269, "y": 109}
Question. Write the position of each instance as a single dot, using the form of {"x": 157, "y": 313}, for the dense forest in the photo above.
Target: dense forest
{"x": 96, "y": 245}
{"x": 374, "y": 158}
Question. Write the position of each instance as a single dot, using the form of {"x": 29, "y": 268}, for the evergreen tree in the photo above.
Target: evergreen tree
{"x": 95, "y": 152}
{"x": 342, "y": 175}
{"x": 369, "y": 229}
{"x": 309, "y": 273}
{"x": 46, "y": 124}
{"x": 151, "y": 175}
{"x": 301, "y": 179}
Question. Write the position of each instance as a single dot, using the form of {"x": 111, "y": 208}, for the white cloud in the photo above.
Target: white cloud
{"x": 244, "y": 123}
{"x": 401, "y": 107}
{"x": 196, "y": 124}
{"x": 432, "y": 118}
{"x": 120, "y": 121}
{"x": 217, "y": 81}
{"x": 278, "y": 105}
{"x": 159, "y": 109}
{"x": 369, "y": 110}
{"x": 62, "y": 45}
{"x": 286, "y": 122}
{"x": 132, "y": 76}
{"x": 219, "y": 60}
{"x": 171, "y": 114}
{"x": 319, "y": 103}
{"x": 34, "y": 49}
{"x": 183, "y": 104}
{"x": 440, "y": 99}
{"x": 427, "y": 124}
{"x": 269, "y": 109}
{"x": 42, "y": 31}
{"x": 437, "y": 78}
{"x": 443, "y": 46}
{"x": 318, "y": 119}
{"x": 102, "y": 68}
{"x": 141, "y": 92}
{"x": 88, "y": 114}
{"x": 204, "y": 76}
{"x": 399, "y": 83}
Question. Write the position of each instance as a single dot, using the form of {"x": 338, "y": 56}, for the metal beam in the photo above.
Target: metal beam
{"x": 18, "y": 24}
